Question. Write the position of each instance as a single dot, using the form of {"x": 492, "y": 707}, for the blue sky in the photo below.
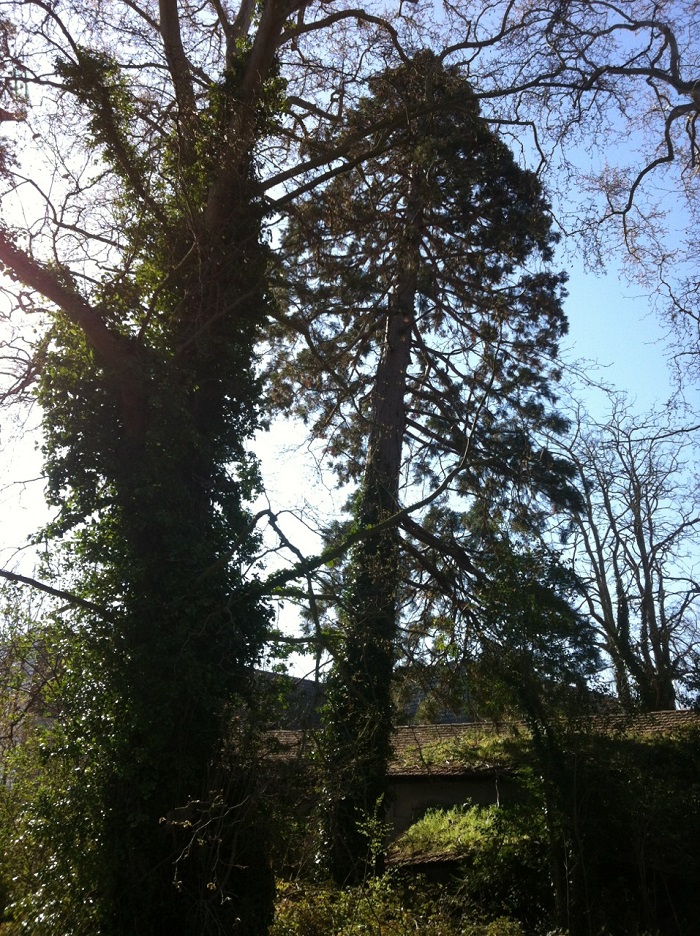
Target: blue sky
{"x": 611, "y": 323}
{"x": 614, "y": 325}
{"x": 614, "y": 328}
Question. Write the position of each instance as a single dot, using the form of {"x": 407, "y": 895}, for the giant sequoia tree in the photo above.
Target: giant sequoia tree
{"x": 150, "y": 264}
{"x": 429, "y": 324}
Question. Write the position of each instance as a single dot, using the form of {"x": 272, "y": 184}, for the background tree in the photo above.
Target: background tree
{"x": 427, "y": 327}
{"x": 633, "y": 546}
{"x": 589, "y": 78}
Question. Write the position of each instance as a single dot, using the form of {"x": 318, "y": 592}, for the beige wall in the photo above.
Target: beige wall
{"x": 411, "y": 797}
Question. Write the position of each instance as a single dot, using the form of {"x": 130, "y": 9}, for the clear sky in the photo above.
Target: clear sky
{"x": 611, "y": 323}
{"x": 615, "y": 325}
{"x": 614, "y": 329}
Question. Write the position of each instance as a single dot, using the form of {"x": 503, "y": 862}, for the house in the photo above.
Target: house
{"x": 429, "y": 770}
{"x": 425, "y": 771}
{"x": 446, "y": 765}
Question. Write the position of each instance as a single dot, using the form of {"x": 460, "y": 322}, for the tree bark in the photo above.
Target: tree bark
{"x": 360, "y": 720}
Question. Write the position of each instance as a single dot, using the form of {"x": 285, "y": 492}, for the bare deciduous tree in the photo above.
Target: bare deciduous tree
{"x": 634, "y": 546}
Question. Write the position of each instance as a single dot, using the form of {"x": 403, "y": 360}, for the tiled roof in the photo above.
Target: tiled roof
{"x": 424, "y": 750}
{"x": 297, "y": 701}
{"x": 418, "y": 750}
{"x": 396, "y": 859}
{"x": 648, "y": 723}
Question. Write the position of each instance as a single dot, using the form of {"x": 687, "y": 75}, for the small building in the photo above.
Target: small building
{"x": 445, "y": 765}
{"x": 427, "y": 773}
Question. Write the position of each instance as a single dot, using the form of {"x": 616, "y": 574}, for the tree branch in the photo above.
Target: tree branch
{"x": 56, "y": 592}
{"x": 180, "y": 72}
{"x": 358, "y": 14}
{"x": 109, "y": 346}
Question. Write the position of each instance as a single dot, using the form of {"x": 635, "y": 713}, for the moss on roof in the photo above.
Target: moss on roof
{"x": 478, "y": 747}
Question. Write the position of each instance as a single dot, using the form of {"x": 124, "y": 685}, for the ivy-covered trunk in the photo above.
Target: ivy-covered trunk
{"x": 150, "y": 396}
{"x": 149, "y": 400}
{"x": 181, "y": 847}
{"x": 359, "y": 717}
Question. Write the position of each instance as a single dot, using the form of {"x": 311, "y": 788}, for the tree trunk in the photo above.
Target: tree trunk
{"x": 360, "y": 717}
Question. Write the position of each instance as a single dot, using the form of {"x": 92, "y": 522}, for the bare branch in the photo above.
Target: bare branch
{"x": 20, "y": 265}
{"x": 72, "y": 599}
{"x": 358, "y": 14}
{"x": 180, "y": 71}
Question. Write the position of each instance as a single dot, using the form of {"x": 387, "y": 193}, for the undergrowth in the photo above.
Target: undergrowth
{"x": 386, "y": 906}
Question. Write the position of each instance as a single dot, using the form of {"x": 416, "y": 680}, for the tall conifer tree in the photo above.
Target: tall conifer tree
{"x": 429, "y": 327}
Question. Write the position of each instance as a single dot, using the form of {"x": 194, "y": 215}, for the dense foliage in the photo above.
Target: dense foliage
{"x": 624, "y": 825}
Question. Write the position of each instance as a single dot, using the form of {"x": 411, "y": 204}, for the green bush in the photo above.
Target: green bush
{"x": 502, "y": 854}
{"x": 500, "y": 927}
{"x": 381, "y": 907}
{"x": 47, "y": 845}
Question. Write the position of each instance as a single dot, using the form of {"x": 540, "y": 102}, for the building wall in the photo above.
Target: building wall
{"x": 412, "y": 797}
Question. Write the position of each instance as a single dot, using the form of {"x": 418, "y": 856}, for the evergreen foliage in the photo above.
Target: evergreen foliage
{"x": 427, "y": 327}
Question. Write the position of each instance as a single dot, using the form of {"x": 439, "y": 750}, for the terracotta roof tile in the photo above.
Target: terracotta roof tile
{"x": 424, "y": 750}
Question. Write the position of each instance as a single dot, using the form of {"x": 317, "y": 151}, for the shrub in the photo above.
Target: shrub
{"x": 502, "y": 854}
{"x": 381, "y": 907}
